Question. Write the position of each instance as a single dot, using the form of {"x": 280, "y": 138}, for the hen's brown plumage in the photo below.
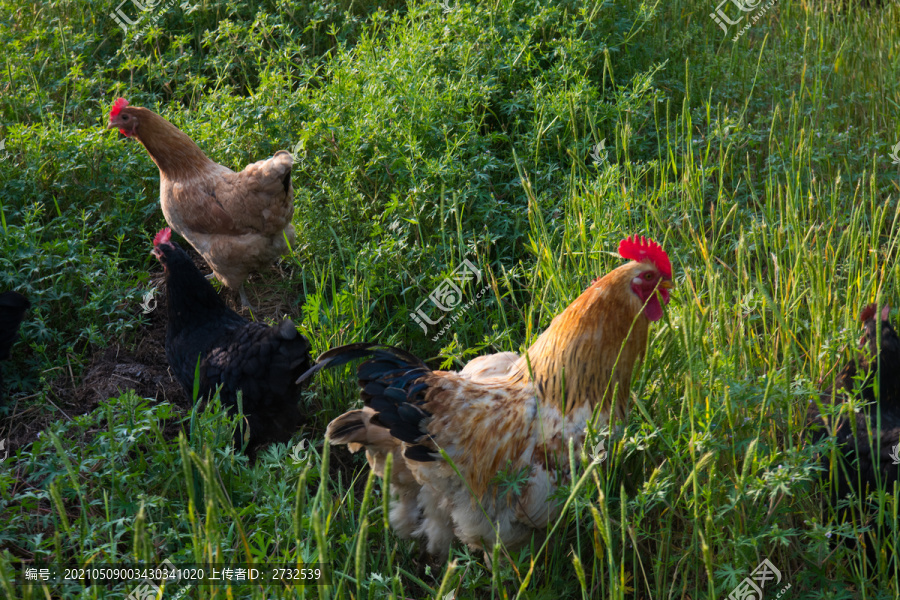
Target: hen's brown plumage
{"x": 500, "y": 414}
{"x": 238, "y": 222}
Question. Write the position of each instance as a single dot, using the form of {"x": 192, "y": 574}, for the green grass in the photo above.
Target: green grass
{"x": 431, "y": 132}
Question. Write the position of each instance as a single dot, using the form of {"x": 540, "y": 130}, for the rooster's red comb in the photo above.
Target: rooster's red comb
{"x": 163, "y": 237}
{"x": 641, "y": 249}
{"x": 118, "y": 105}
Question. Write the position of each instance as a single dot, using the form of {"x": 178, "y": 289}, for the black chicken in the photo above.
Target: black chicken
{"x": 12, "y": 310}
{"x": 868, "y": 460}
{"x": 260, "y": 361}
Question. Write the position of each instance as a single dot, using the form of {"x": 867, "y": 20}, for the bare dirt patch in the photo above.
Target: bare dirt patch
{"x": 140, "y": 366}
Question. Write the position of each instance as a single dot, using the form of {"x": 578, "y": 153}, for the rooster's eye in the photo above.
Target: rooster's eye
{"x": 648, "y": 275}
{"x": 124, "y": 117}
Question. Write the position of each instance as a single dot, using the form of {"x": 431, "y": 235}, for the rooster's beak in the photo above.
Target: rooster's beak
{"x": 666, "y": 285}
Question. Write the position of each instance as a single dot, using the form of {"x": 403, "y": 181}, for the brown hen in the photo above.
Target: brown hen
{"x": 238, "y": 222}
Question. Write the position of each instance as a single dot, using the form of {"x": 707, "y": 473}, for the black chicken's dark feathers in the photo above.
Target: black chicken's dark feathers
{"x": 261, "y": 362}
{"x": 866, "y": 463}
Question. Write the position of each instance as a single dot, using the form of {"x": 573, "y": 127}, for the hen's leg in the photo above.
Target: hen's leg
{"x": 244, "y": 300}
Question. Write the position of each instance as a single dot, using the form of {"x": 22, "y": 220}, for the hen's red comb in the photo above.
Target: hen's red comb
{"x": 118, "y": 105}
{"x": 641, "y": 249}
{"x": 163, "y": 237}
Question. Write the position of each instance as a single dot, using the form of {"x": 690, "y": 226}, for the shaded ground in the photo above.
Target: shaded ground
{"x": 139, "y": 364}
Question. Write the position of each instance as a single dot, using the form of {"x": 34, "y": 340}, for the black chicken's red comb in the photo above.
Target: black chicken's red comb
{"x": 118, "y": 105}
{"x": 643, "y": 249}
{"x": 871, "y": 310}
{"x": 867, "y": 313}
{"x": 163, "y": 237}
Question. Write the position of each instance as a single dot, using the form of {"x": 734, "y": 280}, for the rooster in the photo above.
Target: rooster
{"x": 867, "y": 444}
{"x": 238, "y": 222}
{"x": 235, "y": 355}
{"x": 501, "y": 413}
{"x": 12, "y": 310}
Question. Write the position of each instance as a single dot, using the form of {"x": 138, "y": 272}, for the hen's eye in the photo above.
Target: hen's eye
{"x": 124, "y": 117}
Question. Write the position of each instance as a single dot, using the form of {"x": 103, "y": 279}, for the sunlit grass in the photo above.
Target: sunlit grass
{"x": 427, "y": 133}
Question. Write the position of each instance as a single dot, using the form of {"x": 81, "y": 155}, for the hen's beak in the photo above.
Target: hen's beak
{"x": 114, "y": 123}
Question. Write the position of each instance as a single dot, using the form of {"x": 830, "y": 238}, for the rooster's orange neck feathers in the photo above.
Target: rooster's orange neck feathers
{"x": 171, "y": 149}
{"x": 587, "y": 355}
